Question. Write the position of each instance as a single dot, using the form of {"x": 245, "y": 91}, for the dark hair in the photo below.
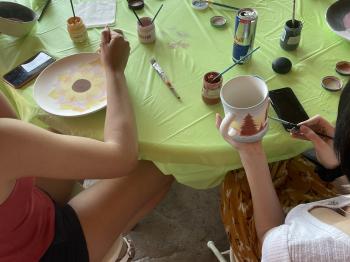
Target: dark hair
{"x": 342, "y": 131}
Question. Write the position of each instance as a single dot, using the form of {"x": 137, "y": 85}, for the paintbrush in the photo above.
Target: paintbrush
{"x": 71, "y": 3}
{"x": 164, "y": 77}
{"x": 236, "y": 63}
{"x": 154, "y": 18}
{"x": 137, "y": 17}
{"x": 297, "y": 127}
{"x": 293, "y": 15}
{"x": 44, "y": 9}
{"x": 222, "y": 5}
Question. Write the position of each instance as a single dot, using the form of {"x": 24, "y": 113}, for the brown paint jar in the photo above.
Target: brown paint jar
{"x": 211, "y": 89}
{"x": 76, "y": 29}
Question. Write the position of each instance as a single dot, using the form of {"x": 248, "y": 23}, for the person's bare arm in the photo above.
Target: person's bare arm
{"x": 6, "y": 110}
{"x": 120, "y": 120}
{"x": 27, "y": 150}
{"x": 268, "y": 212}
{"x": 267, "y": 209}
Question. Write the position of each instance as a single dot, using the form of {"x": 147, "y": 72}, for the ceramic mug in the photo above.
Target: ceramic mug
{"x": 246, "y": 103}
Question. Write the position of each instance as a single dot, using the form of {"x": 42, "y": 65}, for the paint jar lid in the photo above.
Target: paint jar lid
{"x": 199, "y": 5}
{"x": 136, "y": 4}
{"x": 343, "y": 68}
{"x": 332, "y": 83}
{"x": 218, "y": 21}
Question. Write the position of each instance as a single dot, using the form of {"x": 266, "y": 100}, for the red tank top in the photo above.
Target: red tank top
{"x": 27, "y": 223}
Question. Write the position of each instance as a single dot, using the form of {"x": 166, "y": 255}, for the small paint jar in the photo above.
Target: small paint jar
{"x": 211, "y": 88}
{"x": 76, "y": 29}
{"x": 290, "y": 37}
{"x": 146, "y": 31}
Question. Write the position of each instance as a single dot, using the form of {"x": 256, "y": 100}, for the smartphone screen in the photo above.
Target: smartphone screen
{"x": 287, "y": 106}
{"x": 31, "y": 68}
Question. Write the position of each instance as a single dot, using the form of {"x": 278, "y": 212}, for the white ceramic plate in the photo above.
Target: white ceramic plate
{"x": 72, "y": 86}
{"x": 338, "y": 18}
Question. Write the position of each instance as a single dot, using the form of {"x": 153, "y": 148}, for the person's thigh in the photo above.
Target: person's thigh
{"x": 59, "y": 189}
{"x": 105, "y": 209}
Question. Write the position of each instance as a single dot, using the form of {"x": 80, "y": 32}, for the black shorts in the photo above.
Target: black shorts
{"x": 69, "y": 243}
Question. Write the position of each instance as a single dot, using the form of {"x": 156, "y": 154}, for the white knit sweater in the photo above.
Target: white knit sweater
{"x": 305, "y": 238}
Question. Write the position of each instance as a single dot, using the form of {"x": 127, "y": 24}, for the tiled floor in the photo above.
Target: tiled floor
{"x": 179, "y": 228}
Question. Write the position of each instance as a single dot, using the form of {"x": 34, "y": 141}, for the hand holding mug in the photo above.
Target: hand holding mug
{"x": 228, "y": 135}
{"x": 246, "y": 102}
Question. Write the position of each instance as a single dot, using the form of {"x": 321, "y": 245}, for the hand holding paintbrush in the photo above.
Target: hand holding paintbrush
{"x": 316, "y": 125}
{"x": 320, "y": 132}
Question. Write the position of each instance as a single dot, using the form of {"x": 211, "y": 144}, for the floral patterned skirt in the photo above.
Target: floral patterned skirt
{"x": 295, "y": 182}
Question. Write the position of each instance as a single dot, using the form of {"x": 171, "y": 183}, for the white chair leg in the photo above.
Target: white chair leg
{"x": 232, "y": 256}
{"x": 216, "y": 252}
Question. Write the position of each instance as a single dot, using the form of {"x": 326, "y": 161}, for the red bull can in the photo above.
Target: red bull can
{"x": 244, "y": 33}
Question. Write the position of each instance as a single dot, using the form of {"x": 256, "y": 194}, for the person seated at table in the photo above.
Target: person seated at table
{"x": 252, "y": 198}
{"x": 33, "y": 227}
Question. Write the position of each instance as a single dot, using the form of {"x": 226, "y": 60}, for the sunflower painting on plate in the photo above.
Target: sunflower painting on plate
{"x": 80, "y": 88}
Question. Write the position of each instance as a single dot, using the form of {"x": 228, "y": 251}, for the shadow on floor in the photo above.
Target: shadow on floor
{"x": 180, "y": 227}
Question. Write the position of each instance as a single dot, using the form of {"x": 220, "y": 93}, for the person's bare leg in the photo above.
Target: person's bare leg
{"x": 59, "y": 189}
{"x": 152, "y": 203}
{"x": 105, "y": 209}
{"x": 140, "y": 215}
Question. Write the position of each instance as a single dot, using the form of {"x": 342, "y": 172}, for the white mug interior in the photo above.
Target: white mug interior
{"x": 244, "y": 92}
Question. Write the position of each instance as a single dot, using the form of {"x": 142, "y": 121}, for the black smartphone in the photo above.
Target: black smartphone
{"x": 28, "y": 70}
{"x": 287, "y": 107}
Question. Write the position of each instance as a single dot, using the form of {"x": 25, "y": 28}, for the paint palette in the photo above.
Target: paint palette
{"x": 332, "y": 83}
{"x": 72, "y": 86}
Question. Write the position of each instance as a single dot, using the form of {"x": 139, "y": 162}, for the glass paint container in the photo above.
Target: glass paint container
{"x": 76, "y": 29}
{"x": 211, "y": 88}
{"x": 146, "y": 31}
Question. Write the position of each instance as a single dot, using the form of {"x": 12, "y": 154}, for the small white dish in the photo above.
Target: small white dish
{"x": 218, "y": 21}
{"x": 199, "y": 5}
{"x": 332, "y": 83}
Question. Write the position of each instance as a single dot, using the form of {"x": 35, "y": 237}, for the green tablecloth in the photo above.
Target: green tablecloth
{"x": 181, "y": 138}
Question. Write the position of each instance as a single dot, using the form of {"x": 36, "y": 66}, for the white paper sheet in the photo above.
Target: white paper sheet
{"x": 97, "y": 13}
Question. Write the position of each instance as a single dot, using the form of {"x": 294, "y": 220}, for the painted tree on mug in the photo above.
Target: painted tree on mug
{"x": 248, "y": 127}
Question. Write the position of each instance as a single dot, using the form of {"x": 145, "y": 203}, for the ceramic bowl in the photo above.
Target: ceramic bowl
{"x": 338, "y": 18}
{"x": 15, "y": 19}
